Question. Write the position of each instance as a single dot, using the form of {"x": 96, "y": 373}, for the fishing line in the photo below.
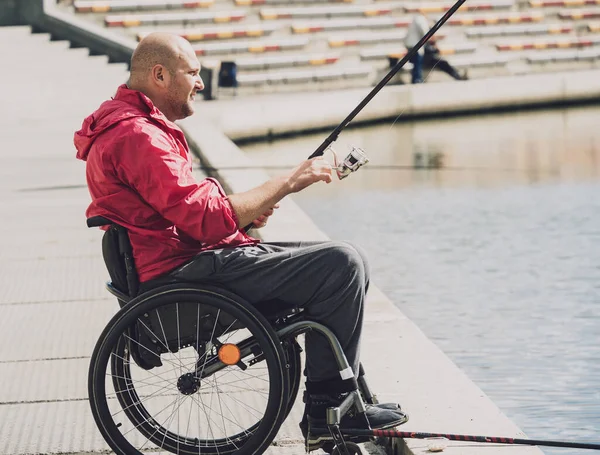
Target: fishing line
{"x": 336, "y": 132}
{"x": 381, "y": 167}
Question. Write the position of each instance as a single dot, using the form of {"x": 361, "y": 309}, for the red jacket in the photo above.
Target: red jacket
{"x": 139, "y": 174}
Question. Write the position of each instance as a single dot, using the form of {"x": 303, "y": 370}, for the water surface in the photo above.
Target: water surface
{"x": 485, "y": 231}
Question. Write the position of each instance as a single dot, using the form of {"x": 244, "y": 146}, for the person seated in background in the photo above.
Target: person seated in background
{"x": 139, "y": 175}
{"x": 427, "y": 56}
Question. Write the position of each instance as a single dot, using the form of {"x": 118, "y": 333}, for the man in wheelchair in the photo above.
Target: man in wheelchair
{"x": 139, "y": 174}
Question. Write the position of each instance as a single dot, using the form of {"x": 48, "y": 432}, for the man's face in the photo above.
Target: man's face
{"x": 184, "y": 83}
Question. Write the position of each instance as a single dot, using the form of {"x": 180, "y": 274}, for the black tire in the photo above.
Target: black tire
{"x": 114, "y": 346}
{"x": 292, "y": 351}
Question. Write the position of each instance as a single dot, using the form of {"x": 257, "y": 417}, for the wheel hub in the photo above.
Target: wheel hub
{"x": 188, "y": 384}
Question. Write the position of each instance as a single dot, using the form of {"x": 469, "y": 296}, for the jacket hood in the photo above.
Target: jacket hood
{"x": 125, "y": 105}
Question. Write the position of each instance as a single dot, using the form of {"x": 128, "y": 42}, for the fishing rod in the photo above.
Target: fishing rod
{"x": 469, "y": 438}
{"x": 356, "y": 158}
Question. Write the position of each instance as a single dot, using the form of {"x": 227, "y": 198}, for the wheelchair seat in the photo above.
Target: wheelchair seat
{"x": 118, "y": 258}
{"x": 125, "y": 286}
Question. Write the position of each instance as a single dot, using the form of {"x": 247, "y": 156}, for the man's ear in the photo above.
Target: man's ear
{"x": 159, "y": 75}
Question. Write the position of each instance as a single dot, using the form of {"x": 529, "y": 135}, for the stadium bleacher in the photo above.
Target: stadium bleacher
{"x": 94, "y": 6}
{"x": 318, "y": 42}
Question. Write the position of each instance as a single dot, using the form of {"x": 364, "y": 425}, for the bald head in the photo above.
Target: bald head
{"x": 165, "y": 68}
{"x": 165, "y": 49}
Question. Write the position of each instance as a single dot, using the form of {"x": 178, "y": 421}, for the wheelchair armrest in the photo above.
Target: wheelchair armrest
{"x": 97, "y": 221}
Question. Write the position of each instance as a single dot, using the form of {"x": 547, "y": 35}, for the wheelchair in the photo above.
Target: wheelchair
{"x": 189, "y": 368}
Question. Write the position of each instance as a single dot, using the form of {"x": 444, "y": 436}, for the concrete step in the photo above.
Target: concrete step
{"x": 49, "y": 54}
{"x": 67, "y": 73}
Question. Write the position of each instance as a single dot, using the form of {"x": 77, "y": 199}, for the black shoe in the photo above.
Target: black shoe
{"x": 388, "y": 406}
{"x": 314, "y": 424}
{"x": 306, "y": 398}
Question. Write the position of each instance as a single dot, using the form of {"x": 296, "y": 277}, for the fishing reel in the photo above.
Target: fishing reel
{"x": 352, "y": 163}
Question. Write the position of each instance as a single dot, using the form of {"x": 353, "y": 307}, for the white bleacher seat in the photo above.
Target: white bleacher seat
{"x": 270, "y": 45}
{"x": 348, "y": 24}
{"x": 252, "y": 79}
{"x": 578, "y": 14}
{"x": 588, "y": 54}
{"x": 561, "y": 3}
{"x": 183, "y": 18}
{"x": 497, "y": 18}
{"x": 564, "y": 56}
{"x": 357, "y": 72}
{"x": 103, "y": 6}
{"x": 283, "y": 2}
{"x": 324, "y": 11}
{"x": 285, "y": 61}
{"x": 294, "y": 76}
{"x": 436, "y": 7}
{"x": 240, "y": 31}
{"x": 298, "y": 76}
{"x": 384, "y": 52}
{"x": 549, "y": 44}
{"x": 520, "y": 29}
{"x": 373, "y": 38}
{"x": 478, "y": 61}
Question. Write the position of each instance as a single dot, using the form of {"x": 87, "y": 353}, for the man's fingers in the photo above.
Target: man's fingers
{"x": 325, "y": 172}
{"x": 326, "y": 178}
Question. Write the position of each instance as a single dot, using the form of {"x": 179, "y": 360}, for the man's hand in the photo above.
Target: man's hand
{"x": 309, "y": 172}
{"x": 253, "y": 207}
{"x": 261, "y": 221}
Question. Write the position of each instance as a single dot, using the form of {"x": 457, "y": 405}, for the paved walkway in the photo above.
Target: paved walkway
{"x": 52, "y": 302}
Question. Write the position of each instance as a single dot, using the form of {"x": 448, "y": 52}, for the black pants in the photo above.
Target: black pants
{"x": 328, "y": 279}
{"x": 435, "y": 61}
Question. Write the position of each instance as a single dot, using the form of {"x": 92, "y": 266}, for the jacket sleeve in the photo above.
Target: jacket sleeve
{"x": 151, "y": 163}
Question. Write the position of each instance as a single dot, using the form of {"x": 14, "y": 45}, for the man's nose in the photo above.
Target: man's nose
{"x": 199, "y": 84}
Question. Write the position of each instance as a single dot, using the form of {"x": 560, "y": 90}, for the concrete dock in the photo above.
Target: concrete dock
{"x": 53, "y": 300}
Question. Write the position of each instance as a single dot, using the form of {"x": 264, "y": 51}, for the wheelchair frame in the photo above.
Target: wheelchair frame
{"x": 292, "y": 324}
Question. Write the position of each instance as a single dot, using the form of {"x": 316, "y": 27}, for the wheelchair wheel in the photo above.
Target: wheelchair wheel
{"x": 293, "y": 367}
{"x": 214, "y": 381}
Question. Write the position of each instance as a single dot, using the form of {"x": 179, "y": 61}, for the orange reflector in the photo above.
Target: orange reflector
{"x": 229, "y": 354}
